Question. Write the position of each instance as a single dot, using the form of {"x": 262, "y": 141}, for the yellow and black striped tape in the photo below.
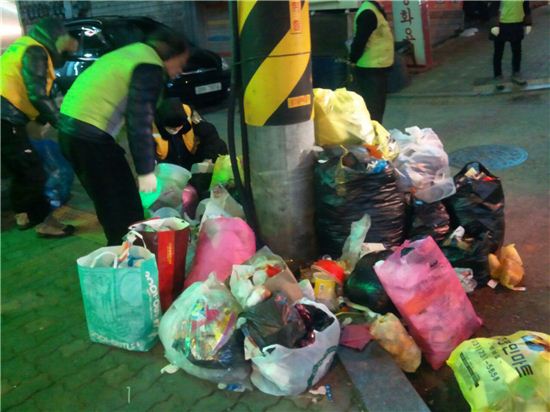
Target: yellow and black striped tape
{"x": 276, "y": 61}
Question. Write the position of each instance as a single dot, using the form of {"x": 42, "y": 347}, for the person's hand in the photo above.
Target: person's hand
{"x": 495, "y": 31}
{"x": 528, "y": 30}
{"x": 147, "y": 183}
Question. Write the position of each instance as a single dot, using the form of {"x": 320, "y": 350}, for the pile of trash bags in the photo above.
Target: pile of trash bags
{"x": 402, "y": 244}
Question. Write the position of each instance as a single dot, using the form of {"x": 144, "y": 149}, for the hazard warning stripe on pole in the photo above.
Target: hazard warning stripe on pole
{"x": 276, "y": 62}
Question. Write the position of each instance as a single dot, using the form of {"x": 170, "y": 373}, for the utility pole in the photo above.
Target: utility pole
{"x": 275, "y": 54}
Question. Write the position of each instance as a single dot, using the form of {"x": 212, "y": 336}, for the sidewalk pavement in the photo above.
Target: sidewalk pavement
{"x": 49, "y": 364}
{"x": 464, "y": 65}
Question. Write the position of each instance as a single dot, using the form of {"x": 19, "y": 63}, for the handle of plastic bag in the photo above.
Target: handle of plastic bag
{"x": 115, "y": 260}
{"x": 481, "y": 168}
{"x": 139, "y": 236}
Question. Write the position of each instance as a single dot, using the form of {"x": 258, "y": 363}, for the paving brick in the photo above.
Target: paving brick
{"x": 218, "y": 401}
{"x": 24, "y": 390}
{"x": 284, "y": 405}
{"x": 258, "y": 401}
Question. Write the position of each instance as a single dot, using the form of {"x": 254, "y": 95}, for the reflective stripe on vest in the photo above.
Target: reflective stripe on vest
{"x": 99, "y": 94}
{"x": 379, "y": 48}
{"x": 12, "y": 86}
{"x": 511, "y": 11}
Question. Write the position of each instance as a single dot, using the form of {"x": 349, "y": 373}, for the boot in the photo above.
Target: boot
{"x": 51, "y": 227}
{"x": 499, "y": 82}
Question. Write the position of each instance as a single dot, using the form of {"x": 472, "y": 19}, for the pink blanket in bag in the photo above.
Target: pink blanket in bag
{"x": 425, "y": 289}
{"x": 223, "y": 242}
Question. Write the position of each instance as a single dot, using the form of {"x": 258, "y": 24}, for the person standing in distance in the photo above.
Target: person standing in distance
{"x": 121, "y": 87}
{"x": 27, "y": 76}
{"x": 371, "y": 56}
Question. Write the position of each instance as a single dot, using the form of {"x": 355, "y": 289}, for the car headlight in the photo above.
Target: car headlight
{"x": 225, "y": 65}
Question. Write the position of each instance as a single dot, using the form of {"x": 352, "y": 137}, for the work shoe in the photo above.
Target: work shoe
{"x": 499, "y": 82}
{"x": 22, "y": 221}
{"x": 517, "y": 79}
{"x": 51, "y": 227}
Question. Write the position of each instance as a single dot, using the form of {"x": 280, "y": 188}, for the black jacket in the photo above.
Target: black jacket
{"x": 34, "y": 71}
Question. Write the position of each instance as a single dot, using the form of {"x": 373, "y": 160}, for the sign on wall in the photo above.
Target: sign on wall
{"x": 410, "y": 22}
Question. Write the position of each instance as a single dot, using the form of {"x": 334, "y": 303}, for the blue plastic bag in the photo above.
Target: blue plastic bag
{"x": 121, "y": 300}
{"x": 59, "y": 173}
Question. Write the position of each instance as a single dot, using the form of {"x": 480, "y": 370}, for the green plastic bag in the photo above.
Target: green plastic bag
{"x": 223, "y": 173}
{"x": 121, "y": 300}
{"x": 504, "y": 373}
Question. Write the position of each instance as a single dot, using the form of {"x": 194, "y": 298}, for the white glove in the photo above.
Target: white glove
{"x": 495, "y": 31}
{"x": 528, "y": 30}
{"x": 147, "y": 183}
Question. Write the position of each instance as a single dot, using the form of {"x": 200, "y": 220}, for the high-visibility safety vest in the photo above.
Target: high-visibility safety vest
{"x": 511, "y": 11}
{"x": 12, "y": 86}
{"x": 188, "y": 138}
{"x": 99, "y": 95}
{"x": 379, "y": 48}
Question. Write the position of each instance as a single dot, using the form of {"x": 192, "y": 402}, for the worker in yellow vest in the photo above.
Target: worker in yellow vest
{"x": 514, "y": 22}
{"x": 371, "y": 56}
{"x": 183, "y": 137}
{"x": 122, "y": 87}
{"x": 27, "y": 75}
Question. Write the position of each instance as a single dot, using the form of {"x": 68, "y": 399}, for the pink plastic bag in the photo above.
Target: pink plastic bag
{"x": 223, "y": 242}
{"x": 423, "y": 286}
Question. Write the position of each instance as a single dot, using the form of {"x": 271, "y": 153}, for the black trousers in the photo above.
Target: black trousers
{"x": 106, "y": 176}
{"x": 499, "y": 51}
{"x": 21, "y": 162}
{"x": 372, "y": 85}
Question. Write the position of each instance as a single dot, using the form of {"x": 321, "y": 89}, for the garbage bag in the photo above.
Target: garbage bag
{"x": 428, "y": 219}
{"x": 223, "y": 172}
{"x": 341, "y": 117}
{"x": 478, "y": 204}
{"x": 121, "y": 299}
{"x": 504, "y": 373}
{"x": 222, "y": 243}
{"x": 507, "y": 267}
{"x": 349, "y": 184}
{"x": 199, "y": 334}
{"x": 168, "y": 239}
{"x": 363, "y": 286}
{"x": 425, "y": 289}
{"x": 422, "y": 165}
{"x": 283, "y": 371}
{"x": 59, "y": 173}
{"x": 390, "y": 333}
{"x": 469, "y": 252}
{"x": 273, "y": 321}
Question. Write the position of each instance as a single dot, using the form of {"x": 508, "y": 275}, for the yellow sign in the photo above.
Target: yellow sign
{"x": 299, "y": 101}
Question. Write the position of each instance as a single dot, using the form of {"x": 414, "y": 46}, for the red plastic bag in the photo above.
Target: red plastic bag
{"x": 223, "y": 242}
{"x": 423, "y": 286}
{"x": 168, "y": 240}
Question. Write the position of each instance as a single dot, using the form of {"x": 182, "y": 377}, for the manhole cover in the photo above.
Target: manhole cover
{"x": 493, "y": 157}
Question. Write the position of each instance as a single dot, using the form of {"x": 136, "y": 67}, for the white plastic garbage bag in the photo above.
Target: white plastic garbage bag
{"x": 283, "y": 371}
{"x": 422, "y": 165}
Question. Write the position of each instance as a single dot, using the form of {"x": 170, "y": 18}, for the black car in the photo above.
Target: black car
{"x": 205, "y": 79}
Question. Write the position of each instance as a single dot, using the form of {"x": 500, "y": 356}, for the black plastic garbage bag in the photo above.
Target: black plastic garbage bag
{"x": 427, "y": 219}
{"x": 475, "y": 256}
{"x": 229, "y": 355}
{"x": 348, "y": 184}
{"x": 274, "y": 321}
{"x": 478, "y": 204}
{"x": 363, "y": 286}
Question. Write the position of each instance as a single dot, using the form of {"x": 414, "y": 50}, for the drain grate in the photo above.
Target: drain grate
{"x": 493, "y": 157}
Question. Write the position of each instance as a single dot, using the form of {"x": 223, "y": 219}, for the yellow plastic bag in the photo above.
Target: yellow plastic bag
{"x": 387, "y": 148}
{"x": 341, "y": 117}
{"x": 507, "y": 267}
{"x": 504, "y": 373}
{"x": 223, "y": 173}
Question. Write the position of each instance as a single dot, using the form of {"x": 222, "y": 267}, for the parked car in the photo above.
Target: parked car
{"x": 205, "y": 79}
